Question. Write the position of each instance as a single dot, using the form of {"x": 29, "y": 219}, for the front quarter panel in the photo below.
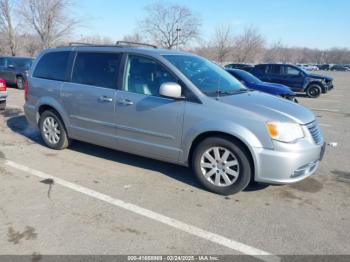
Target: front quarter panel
{"x": 203, "y": 118}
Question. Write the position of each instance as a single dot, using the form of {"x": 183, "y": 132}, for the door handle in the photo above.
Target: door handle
{"x": 125, "y": 102}
{"x": 105, "y": 99}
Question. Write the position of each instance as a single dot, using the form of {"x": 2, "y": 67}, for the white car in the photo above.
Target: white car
{"x": 308, "y": 67}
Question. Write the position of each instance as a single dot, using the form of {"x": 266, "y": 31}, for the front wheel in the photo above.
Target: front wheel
{"x": 53, "y": 131}
{"x": 222, "y": 166}
{"x": 313, "y": 91}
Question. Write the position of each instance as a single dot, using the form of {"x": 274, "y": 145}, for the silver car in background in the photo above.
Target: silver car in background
{"x": 175, "y": 107}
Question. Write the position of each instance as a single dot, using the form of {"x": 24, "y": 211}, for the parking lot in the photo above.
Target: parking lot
{"x": 92, "y": 200}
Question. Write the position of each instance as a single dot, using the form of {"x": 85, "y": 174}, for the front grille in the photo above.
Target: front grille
{"x": 315, "y": 132}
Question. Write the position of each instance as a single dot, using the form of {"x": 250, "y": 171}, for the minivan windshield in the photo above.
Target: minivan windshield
{"x": 208, "y": 77}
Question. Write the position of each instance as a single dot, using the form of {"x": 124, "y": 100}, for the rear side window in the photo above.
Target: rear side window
{"x": 260, "y": 69}
{"x": 53, "y": 66}
{"x": 96, "y": 69}
{"x": 273, "y": 69}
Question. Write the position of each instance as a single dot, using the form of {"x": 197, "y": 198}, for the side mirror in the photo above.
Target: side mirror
{"x": 171, "y": 90}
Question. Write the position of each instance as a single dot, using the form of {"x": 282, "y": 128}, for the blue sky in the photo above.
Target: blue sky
{"x": 312, "y": 23}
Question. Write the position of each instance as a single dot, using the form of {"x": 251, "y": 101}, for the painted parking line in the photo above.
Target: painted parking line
{"x": 215, "y": 238}
{"x": 328, "y": 100}
{"x": 325, "y": 110}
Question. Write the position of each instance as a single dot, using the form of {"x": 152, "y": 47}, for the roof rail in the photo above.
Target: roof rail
{"x": 135, "y": 43}
{"x": 77, "y": 43}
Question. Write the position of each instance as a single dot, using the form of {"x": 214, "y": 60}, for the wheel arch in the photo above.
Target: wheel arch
{"x": 318, "y": 83}
{"x": 50, "y": 104}
{"x": 243, "y": 144}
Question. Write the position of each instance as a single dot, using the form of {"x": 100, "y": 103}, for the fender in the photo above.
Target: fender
{"x": 227, "y": 127}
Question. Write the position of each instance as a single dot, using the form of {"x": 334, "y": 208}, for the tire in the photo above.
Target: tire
{"x": 2, "y": 105}
{"x": 53, "y": 131}
{"x": 313, "y": 91}
{"x": 20, "y": 82}
{"x": 239, "y": 175}
{"x": 292, "y": 99}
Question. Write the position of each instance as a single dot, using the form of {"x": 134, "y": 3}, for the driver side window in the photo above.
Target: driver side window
{"x": 145, "y": 76}
{"x": 291, "y": 71}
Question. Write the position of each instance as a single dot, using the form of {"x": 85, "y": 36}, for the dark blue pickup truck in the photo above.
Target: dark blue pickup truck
{"x": 294, "y": 77}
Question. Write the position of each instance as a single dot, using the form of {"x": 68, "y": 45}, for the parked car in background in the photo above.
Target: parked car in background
{"x": 325, "y": 67}
{"x": 255, "y": 83}
{"x": 296, "y": 78}
{"x": 14, "y": 70}
{"x": 3, "y": 94}
{"x": 172, "y": 106}
{"x": 245, "y": 67}
{"x": 340, "y": 68}
{"x": 308, "y": 67}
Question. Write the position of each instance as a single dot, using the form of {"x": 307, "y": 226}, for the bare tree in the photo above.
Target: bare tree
{"x": 49, "y": 19}
{"x": 164, "y": 21}
{"x": 135, "y": 37}
{"x": 6, "y": 24}
{"x": 222, "y": 42}
{"x": 30, "y": 44}
{"x": 249, "y": 45}
{"x": 96, "y": 39}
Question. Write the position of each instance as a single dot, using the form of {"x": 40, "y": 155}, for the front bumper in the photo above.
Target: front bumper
{"x": 329, "y": 85}
{"x": 288, "y": 163}
{"x": 3, "y": 96}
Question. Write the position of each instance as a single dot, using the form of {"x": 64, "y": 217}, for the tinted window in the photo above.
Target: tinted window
{"x": 53, "y": 66}
{"x": 2, "y": 62}
{"x": 274, "y": 69}
{"x": 96, "y": 69}
{"x": 291, "y": 71}
{"x": 145, "y": 76}
{"x": 23, "y": 62}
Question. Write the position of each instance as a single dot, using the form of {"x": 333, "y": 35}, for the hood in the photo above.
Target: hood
{"x": 270, "y": 107}
{"x": 327, "y": 78}
{"x": 274, "y": 89}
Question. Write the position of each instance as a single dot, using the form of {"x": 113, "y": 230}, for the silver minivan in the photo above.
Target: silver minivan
{"x": 175, "y": 107}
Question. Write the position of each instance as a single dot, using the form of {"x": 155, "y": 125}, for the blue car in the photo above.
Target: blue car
{"x": 255, "y": 83}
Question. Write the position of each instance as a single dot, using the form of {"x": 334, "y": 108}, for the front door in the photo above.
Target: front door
{"x": 293, "y": 78}
{"x": 147, "y": 123}
{"x": 91, "y": 96}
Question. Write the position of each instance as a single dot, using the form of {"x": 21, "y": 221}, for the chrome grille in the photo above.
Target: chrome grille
{"x": 315, "y": 132}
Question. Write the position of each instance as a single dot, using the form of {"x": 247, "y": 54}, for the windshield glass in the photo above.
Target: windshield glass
{"x": 24, "y": 62}
{"x": 211, "y": 79}
{"x": 247, "y": 77}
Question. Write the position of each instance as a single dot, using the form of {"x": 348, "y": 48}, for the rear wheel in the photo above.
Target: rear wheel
{"x": 53, "y": 131}
{"x": 222, "y": 166}
{"x": 20, "y": 82}
{"x": 313, "y": 91}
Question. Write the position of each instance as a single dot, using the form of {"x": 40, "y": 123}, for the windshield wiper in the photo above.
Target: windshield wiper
{"x": 221, "y": 92}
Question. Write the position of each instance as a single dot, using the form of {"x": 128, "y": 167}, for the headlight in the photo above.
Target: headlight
{"x": 285, "y": 132}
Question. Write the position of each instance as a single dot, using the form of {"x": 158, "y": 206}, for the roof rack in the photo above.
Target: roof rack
{"x": 135, "y": 43}
{"x": 77, "y": 43}
{"x": 117, "y": 44}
